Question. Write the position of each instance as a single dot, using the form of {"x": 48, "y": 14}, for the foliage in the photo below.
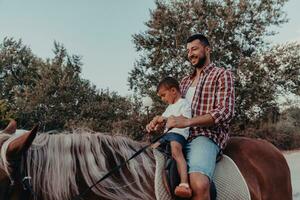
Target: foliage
{"x": 237, "y": 31}
{"x": 134, "y": 124}
{"x": 283, "y": 133}
{"x": 5, "y": 114}
{"x": 52, "y": 93}
{"x": 283, "y": 65}
{"x": 18, "y": 69}
{"x": 101, "y": 112}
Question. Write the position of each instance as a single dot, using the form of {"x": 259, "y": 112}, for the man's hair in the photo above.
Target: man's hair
{"x": 200, "y": 37}
{"x": 168, "y": 83}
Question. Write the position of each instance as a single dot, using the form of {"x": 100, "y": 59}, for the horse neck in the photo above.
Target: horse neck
{"x": 73, "y": 162}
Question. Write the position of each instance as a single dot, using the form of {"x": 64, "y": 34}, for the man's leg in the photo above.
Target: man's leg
{"x": 200, "y": 185}
{"x": 201, "y": 159}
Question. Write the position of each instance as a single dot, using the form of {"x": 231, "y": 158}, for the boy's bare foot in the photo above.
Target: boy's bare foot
{"x": 183, "y": 190}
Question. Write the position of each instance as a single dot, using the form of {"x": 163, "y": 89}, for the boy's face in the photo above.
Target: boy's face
{"x": 167, "y": 95}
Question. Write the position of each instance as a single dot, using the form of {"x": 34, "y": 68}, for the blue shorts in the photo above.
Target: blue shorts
{"x": 168, "y": 137}
{"x": 201, "y": 155}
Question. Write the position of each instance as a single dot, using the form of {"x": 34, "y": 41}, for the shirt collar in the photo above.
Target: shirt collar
{"x": 206, "y": 70}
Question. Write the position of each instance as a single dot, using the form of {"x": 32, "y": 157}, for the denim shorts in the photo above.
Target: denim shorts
{"x": 201, "y": 155}
{"x": 168, "y": 137}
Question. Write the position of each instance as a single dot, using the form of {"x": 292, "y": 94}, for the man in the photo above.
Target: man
{"x": 210, "y": 91}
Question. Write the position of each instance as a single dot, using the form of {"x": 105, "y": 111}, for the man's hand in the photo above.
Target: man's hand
{"x": 177, "y": 122}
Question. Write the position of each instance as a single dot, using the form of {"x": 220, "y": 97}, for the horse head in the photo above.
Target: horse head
{"x": 12, "y": 149}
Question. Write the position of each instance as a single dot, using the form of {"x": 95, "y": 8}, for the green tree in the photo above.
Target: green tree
{"x": 102, "y": 111}
{"x": 283, "y": 65}
{"x": 236, "y": 29}
{"x": 5, "y": 114}
{"x": 18, "y": 69}
{"x": 285, "y": 133}
{"x": 58, "y": 94}
{"x": 51, "y": 92}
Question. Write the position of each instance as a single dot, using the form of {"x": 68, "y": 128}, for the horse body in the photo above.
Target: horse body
{"x": 263, "y": 166}
{"x": 64, "y": 165}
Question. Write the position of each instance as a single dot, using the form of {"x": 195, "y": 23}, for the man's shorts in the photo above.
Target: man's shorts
{"x": 168, "y": 137}
{"x": 201, "y": 154}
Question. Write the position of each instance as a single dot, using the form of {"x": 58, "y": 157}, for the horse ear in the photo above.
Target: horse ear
{"x": 22, "y": 143}
{"x": 11, "y": 127}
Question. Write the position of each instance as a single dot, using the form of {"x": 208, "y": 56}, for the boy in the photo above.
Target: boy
{"x": 168, "y": 90}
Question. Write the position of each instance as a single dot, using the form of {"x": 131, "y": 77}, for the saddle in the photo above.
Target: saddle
{"x": 228, "y": 183}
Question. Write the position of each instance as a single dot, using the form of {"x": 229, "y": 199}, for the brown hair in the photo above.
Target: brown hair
{"x": 168, "y": 82}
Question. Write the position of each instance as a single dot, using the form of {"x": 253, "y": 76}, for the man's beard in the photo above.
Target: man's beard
{"x": 200, "y": 63}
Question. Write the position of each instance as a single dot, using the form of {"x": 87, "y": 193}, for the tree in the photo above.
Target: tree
{"x": 58, "y": 94}
{"x": 237, "y": 32}
{"x": 5, "y": 114}
{"x": 18, "y": 69}
{"x": 283, "y": 64}
{"x": 52, "y": 93}
{"x": 102, "y": 111}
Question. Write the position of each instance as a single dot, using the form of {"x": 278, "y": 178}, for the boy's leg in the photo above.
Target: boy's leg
{"x": 177, "y": 154}
{"x": 183, "y": 189}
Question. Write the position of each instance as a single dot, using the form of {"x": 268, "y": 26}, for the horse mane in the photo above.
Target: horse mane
{"x": 5, "y": 139}
{"x": 64, "y": 164}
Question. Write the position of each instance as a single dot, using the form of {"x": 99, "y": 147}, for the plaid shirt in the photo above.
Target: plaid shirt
{"x": 214, "y": 94}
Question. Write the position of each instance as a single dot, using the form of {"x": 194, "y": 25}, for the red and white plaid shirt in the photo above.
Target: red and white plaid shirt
{"x": 214, "y": 94}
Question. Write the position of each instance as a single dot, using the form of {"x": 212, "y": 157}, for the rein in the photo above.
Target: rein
{"x": 118, "y": 167}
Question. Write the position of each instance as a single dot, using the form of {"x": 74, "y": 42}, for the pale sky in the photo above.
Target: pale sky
{"x": 98, "y": 30}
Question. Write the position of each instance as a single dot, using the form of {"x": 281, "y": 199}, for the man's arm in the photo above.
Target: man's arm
{"x": 183, "y": 122}
{"x": 222, "y": 112}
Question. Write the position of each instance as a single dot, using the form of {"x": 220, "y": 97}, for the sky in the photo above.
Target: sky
{"x": 98, "y": 30}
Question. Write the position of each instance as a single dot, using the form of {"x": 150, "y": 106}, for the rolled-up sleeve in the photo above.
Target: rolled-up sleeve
{"x": 223, "y": 110}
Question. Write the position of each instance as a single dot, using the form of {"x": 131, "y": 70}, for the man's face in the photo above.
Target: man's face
{"x": 196, "y": 53}
{"x": 167, "y": 95}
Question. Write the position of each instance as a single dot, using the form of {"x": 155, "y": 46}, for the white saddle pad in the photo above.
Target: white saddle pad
{"x": 229, "y": 181}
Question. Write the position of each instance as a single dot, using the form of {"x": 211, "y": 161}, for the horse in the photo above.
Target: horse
{"x": 63, "y": 165}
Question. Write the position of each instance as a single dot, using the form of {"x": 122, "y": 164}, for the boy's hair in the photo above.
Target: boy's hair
{"x": 200, "y": 37}
{"x": 168, "y": 83}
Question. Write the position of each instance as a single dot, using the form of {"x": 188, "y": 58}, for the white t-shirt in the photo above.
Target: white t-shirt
{"x": 180, "y": 107}
{"x": 190, "y": 94}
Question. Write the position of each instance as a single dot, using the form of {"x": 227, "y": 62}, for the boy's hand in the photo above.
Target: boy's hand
{"x": 155, "y": 124}
{"x": 150, "y": 127}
